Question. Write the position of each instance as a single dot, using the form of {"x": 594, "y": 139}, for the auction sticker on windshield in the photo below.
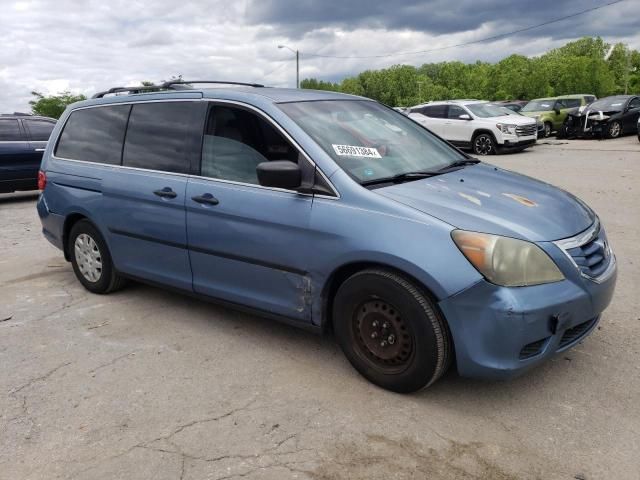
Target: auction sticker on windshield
{"x": 355, "y": 151}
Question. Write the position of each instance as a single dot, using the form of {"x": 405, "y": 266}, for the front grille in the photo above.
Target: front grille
{"x": 532, "y": 349}
{"x": 575, "y": 333}
{"x": 526, "y": 130}
{"x": 593, "y": 257}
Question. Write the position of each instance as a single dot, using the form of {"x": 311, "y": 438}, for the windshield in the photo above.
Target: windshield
{"x": 539, "y": 106}
{"x": 505, "y": 110}
{"x": 485, "y": 110}
{"x": 370, "y": 141}
{"x": 608, "y": 104}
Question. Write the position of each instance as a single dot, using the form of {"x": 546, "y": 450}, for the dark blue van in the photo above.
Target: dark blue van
{"x": 326, "y": 210}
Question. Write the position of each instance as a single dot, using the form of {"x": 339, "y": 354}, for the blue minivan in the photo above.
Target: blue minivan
{"x": 326, "y": 210}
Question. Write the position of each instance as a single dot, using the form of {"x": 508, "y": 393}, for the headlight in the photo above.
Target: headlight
{"x": 506, "y": 261}
{"x": 506, "y": 128}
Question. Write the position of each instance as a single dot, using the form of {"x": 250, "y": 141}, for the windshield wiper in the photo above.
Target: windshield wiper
{"x": 457, "y": 165}
{"x": 402, "y": 177}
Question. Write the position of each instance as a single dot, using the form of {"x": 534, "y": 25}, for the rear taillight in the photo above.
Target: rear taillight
{"x": 42, "y": 180}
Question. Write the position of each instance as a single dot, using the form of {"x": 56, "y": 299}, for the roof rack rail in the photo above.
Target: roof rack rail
{"x": 170, "y": 85}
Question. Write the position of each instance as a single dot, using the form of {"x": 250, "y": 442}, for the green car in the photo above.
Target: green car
{"x": 552, "y": 111}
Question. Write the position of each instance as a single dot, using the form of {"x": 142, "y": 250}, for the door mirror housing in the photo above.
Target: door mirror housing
{"x": 557, "y": 111}
{"x": 279, "y": 174}
{"x": 464, "y": 116}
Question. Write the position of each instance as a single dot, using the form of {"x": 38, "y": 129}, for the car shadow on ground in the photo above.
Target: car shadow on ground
{"x": 18, "y": 197}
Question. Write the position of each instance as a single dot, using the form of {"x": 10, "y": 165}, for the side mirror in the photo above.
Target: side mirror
{"x": 557, "y": 111}
{"x": 464, "y": 116}
{"x": 279, "y": 174}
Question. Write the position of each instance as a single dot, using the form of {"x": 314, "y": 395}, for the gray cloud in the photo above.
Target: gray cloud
{"x": 93, "y": 45}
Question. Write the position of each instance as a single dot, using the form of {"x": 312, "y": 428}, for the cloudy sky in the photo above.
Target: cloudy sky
{"x": 88, "y": 45}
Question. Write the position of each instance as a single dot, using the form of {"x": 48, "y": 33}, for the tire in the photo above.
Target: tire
{"x": 548, "y": 128}
{"x": 614, "y": 129}
{"x": 91, "y": 259}
{"x": 417, "y": 347}
{"x": 484, "y": 144}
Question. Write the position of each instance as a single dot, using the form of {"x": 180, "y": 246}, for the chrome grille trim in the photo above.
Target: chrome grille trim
{"x": 583, "y": 238}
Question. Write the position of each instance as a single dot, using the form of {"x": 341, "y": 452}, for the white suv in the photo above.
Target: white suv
{"x": 477, "y": 125}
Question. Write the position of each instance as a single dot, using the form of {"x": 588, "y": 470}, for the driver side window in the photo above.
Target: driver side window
{"x": 236, "y": 141}
{"x": 455, "y": 111}
{"x": 634, "y": 103}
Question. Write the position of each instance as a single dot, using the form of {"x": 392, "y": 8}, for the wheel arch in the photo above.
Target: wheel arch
{"x": 479, "y": 131}
{"x": 343, "y": 272}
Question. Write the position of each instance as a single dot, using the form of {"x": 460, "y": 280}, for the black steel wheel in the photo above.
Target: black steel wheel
{"x": 390, "y": 330}
{"x": 484, "y": 144}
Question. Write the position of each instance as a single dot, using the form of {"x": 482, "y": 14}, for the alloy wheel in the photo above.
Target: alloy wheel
{"x": 483, "y": 145}
{"x": 614, "y": 130}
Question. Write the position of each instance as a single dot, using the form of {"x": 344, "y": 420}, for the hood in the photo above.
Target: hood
{"x": 487, "y": 199}
{"x": 513, "y": 119}
{"x": 535, "y": 113}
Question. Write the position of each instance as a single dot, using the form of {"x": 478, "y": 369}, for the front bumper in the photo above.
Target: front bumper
{"x": 501, "y": 332}
{"x": 507, "y": 142}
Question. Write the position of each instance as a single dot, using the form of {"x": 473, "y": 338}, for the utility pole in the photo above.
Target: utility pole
{"x": 297, "y": 52}
{"x": 298, "y": 71}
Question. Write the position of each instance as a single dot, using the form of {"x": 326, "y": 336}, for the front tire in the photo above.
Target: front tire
{"x": 484, "y": 144}
{"x": 548, "y": 128}
{"x": 91, "y": 259}
{"x": 614, "y": 129}
{"x": 390, "y": 331}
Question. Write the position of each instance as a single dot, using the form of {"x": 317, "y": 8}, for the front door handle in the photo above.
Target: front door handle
{"x": 166, "y": 192}
{"x": 206, "y": 198}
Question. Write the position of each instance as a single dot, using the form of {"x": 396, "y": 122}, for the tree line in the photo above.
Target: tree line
{"x": 583, "y": 66}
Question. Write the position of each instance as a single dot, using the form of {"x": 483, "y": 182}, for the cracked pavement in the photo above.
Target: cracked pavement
{"x": 150, "y": 384}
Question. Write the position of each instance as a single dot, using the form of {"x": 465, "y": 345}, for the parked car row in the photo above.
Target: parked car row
{"x": 493, "y": 127}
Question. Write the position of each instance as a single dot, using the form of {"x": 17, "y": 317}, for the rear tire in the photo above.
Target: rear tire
{"x": 484, "y": 144}
{"x": 91, "y": 259}
{"x": 390, "y": 331}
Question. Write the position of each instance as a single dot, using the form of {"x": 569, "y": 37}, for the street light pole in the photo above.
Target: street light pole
{"x": 297, "y": 52}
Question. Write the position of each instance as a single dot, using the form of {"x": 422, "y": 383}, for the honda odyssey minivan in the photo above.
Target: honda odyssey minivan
{"x": 326, "y": 210}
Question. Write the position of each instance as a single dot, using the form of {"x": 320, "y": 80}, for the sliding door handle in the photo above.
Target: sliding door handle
{"x": 205, "y": 198}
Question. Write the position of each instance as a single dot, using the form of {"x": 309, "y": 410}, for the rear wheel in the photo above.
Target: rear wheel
{"x": 614, "y": 130}
{"x": 91, "y": 259}
{"x": 484, "y": 144}
{"x": 390, "y": 331}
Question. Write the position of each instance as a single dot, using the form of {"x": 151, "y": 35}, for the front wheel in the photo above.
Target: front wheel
{"x": 91, "y": 259}
{"x": 390, "y": 331}
{"x": 484, "y": 144}
{"x": 614, "y": 129}
{"x": 547, "y": 129}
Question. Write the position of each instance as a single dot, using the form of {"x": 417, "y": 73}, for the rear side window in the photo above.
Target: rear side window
{"x": 94, "y": 135}
{"x": 455, "y": 112}
{"x": 157, "y": 136}
{"x": 571, "y": 102}
{"x": 39, "y": 130}
{"x": 10, "y": 131}
{"x": 435, "y": 111}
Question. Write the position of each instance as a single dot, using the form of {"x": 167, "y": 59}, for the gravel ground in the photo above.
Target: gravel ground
{"x": 149, "y": 384}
